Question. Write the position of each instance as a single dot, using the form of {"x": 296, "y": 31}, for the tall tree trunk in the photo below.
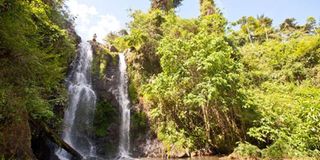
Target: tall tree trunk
{"x": 207, "y": 7}
{"x": 206, "y": 124}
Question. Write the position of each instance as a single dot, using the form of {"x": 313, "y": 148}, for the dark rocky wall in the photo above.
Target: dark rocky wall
{"x": 105, "y": 84}
{"x": 144, "y": 142}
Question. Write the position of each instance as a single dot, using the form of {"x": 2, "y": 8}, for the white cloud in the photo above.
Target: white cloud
{"x": 90, "y": 21}
{"x": 106, "y": 24}
{"x": 81, "y": 11}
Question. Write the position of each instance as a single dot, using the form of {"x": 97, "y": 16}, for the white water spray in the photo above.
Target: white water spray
{"x": 123, "y": 99}
{"x": 78, "y": 118}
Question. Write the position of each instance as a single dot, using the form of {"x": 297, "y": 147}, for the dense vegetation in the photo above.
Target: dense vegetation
{"x": 283, "y": 78}
{"x": 209, "y": 84}
{"x": 37, "y": 44}
{"x": 206, "y": 84}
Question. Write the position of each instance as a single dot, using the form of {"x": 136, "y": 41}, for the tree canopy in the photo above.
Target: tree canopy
{"x": 251, "y": 88}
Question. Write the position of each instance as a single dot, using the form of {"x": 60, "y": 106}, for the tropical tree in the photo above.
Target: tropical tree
{"x": 207, "y": 7}
{"x": 165, "y": 4}
{"x": 265, "y": 24}
{"x": 289, "y": 24}
{"x": 254, "y": 29}
{"x": 310, "y": 26}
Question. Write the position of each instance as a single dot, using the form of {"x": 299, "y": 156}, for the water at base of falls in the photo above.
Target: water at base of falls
{"x": 78, "y": 117}
{"x": 123, "y": 99}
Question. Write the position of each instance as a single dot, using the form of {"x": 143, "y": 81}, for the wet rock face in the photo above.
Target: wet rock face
{"x": 42, "y": 147}
{"x": 143, "y": 142}
{"x": 105, "y": 84}
{"x": 148, "y": 146}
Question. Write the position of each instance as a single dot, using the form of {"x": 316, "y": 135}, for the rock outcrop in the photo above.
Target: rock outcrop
{"x": 15, "y": 138}
{"x": 105, "y": 82}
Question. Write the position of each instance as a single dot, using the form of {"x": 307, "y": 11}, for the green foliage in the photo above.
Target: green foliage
{"x": 282, "y": 79}
{"x": 247, "y": 150}
{"x": 253, "y": 30}
{"x": 207, "y": 7}
{"x": 165, "y": 5}
{"x": 173, "y": 138}
{"x": 139, "y": 122}
{"x": 200, "y": 82}
{"x": 105, "y": 114}
{"x": 99, "y": 62}
{"x": 133, "y": 93}
{"x": 204, "y": 86}
{"x": 36, "y": 106}
{"x": 291, "y": 116}
{"x": 35, "y": 51}
{"x": 36, "y": 46}
{"x": 277, "y": 150}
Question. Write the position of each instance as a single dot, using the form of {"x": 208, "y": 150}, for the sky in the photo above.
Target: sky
{"x": 104, "y": 16}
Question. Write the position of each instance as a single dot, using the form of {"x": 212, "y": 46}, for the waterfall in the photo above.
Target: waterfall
{"x": 78, "y": 118}
{"x": 124, "y": 102}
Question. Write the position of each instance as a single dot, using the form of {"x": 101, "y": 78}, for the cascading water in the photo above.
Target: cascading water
{"x": 124, "y": 102}
{"x": 78, "y": 118}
